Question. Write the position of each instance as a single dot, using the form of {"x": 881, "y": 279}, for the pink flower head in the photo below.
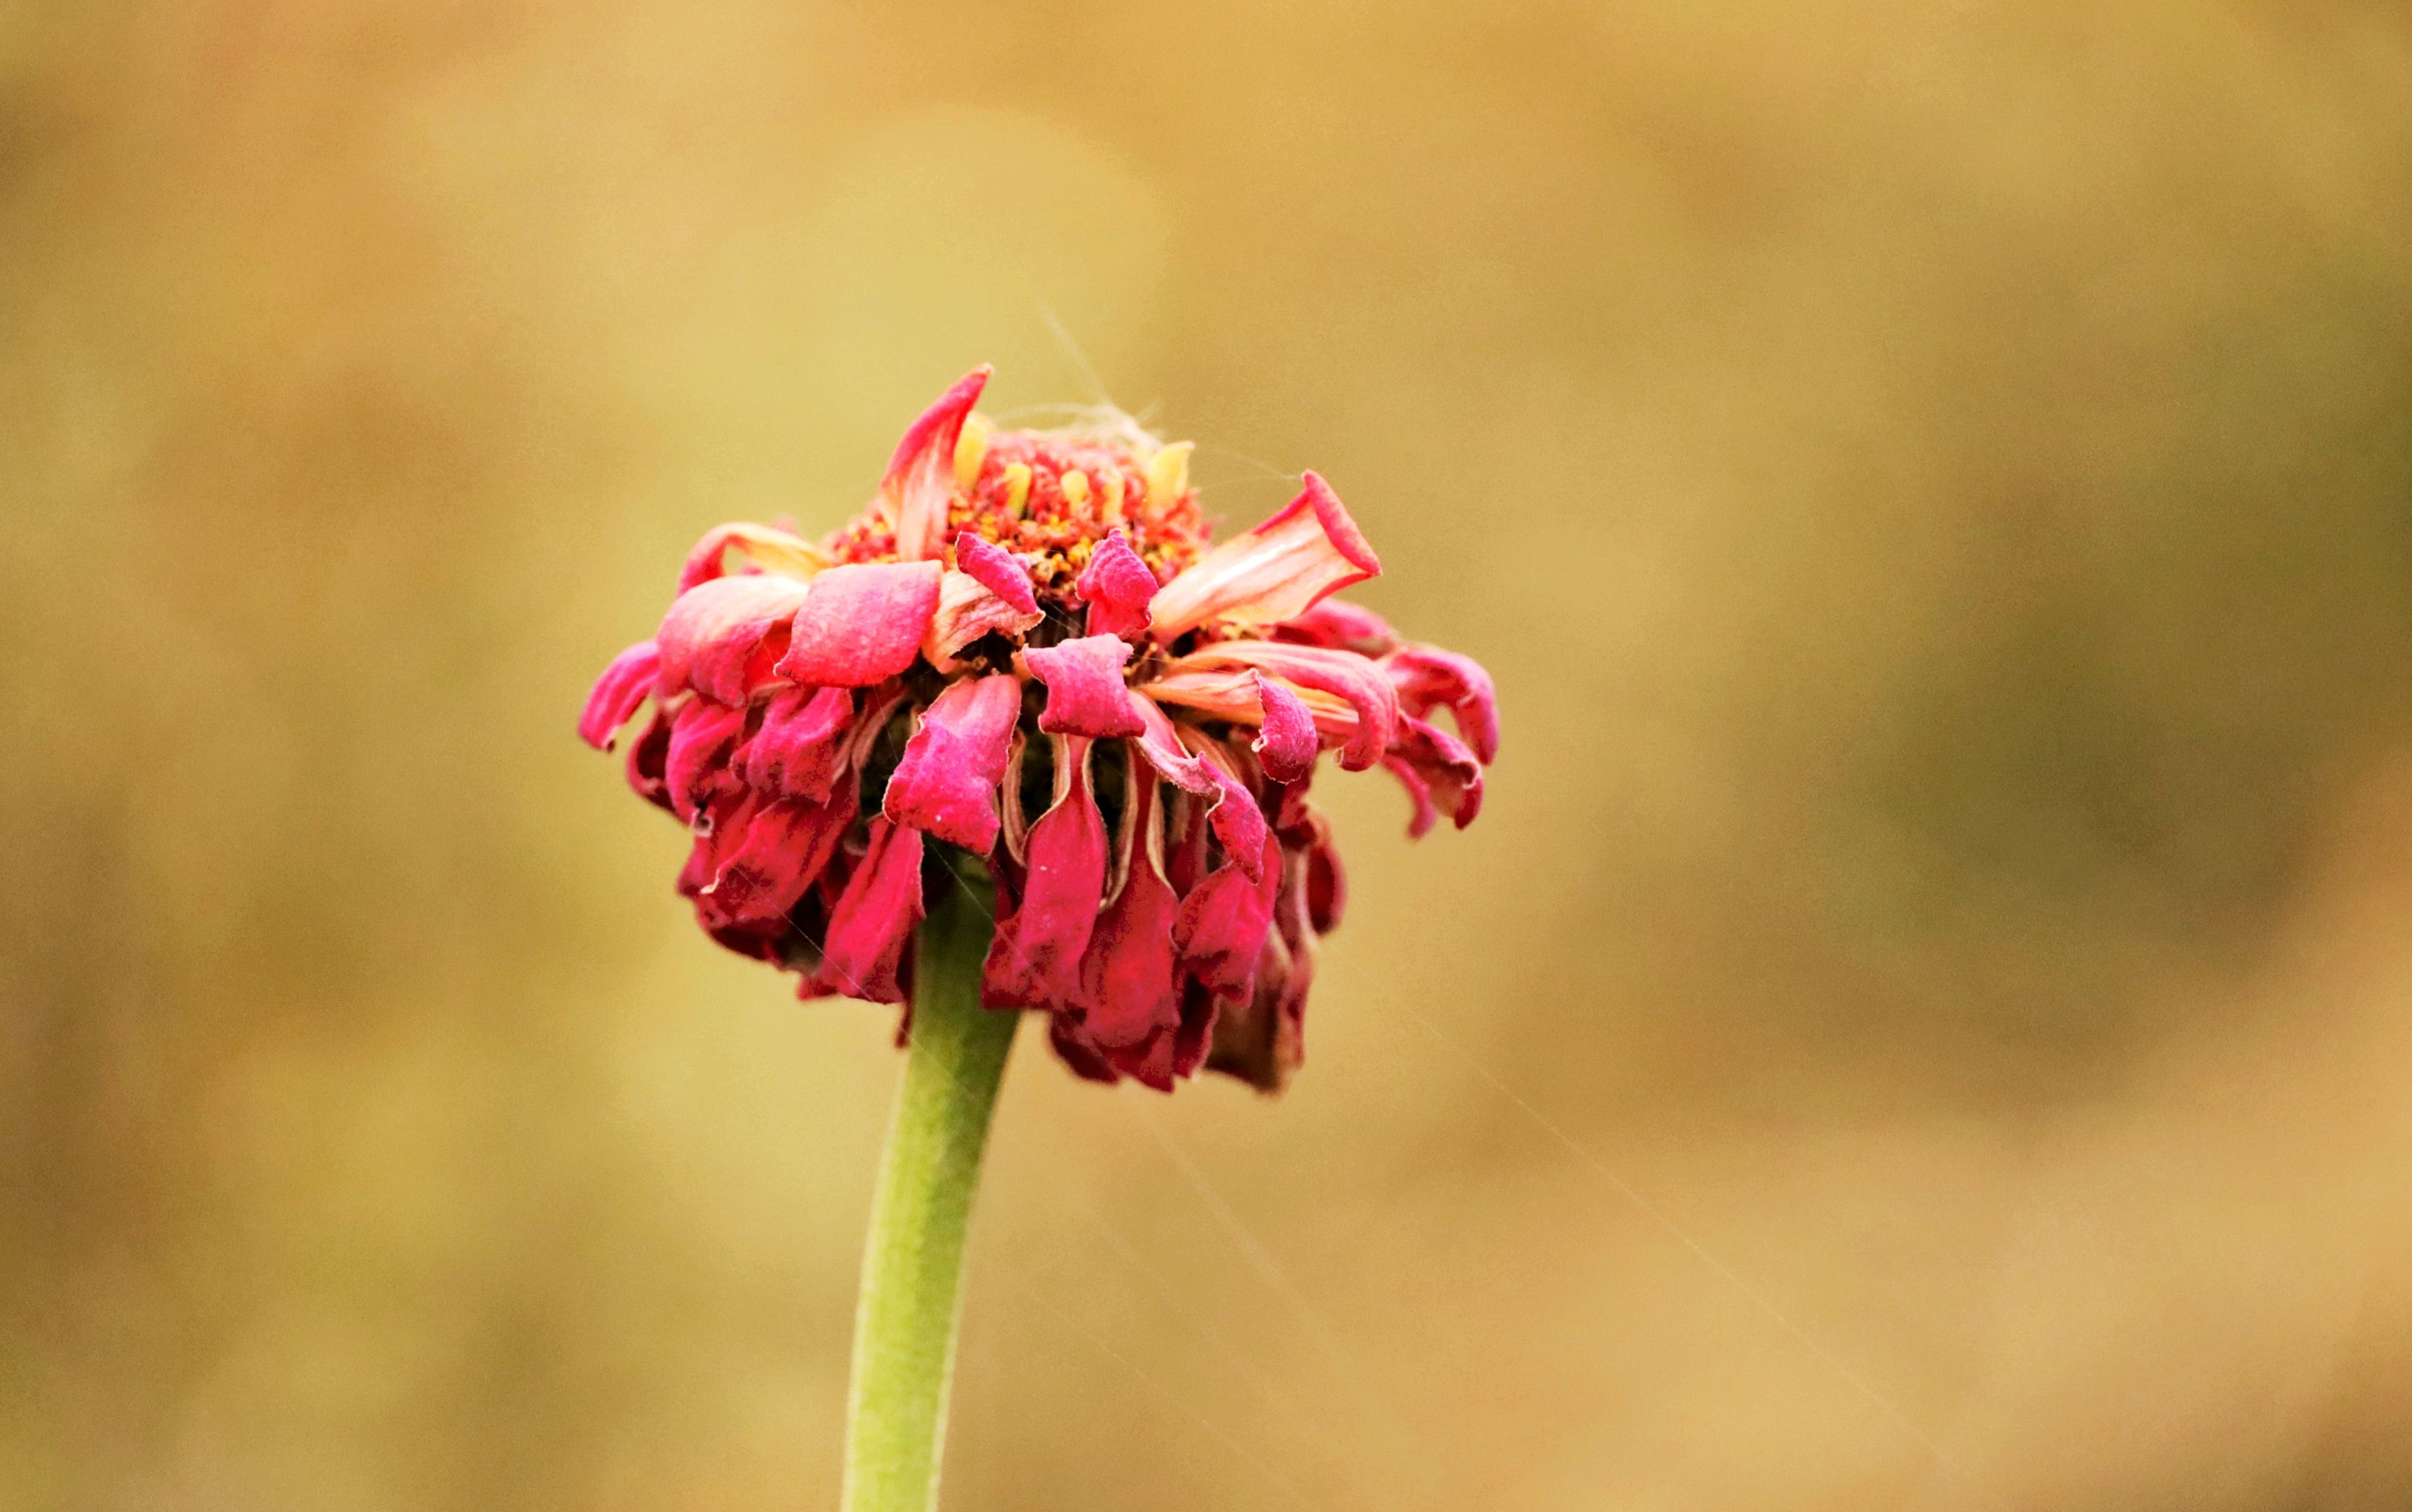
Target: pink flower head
{"x": 1026, "y": 648}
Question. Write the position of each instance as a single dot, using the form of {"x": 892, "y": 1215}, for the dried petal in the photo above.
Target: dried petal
{"x": 998, "y": 570}
{"x": 1340, "y": 626}
{"x": 694, "y": 769}
{"x": 875, "y": 917}
{"x": 1117, "y": 587}
{"x": 1275, "y": 572}
{"x": 1286, "y": 743}
{"x": 1036, "y": 961}
{"x": 801, "y": 746}
{"x": 920, "y": 482}
{"x": 1427, "y": 676}
{"x": 1342, "y": 673}
{"x": 774, "y": 550}
{"x": 861, "y": 624}
{"x": 721, "y": 638}
{"x": 1085, "y": 693}
{"x": 947, "y": 782}
{"x": 1438, "y": 772}
{"x": 968, "y": 608}
{"x": 618, "y": 694}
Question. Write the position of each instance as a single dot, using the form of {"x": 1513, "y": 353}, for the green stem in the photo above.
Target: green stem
{"x": 913, "y": 1260}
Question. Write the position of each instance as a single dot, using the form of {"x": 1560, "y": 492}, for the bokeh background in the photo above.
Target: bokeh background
{"x": 1924, "y": 1023}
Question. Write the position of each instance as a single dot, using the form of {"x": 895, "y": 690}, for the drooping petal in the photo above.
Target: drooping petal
{"x": 1275, "y": 572}
{"x": 948, "y": 779}
{"x": 1130, "y": 982}
{"x": 1222, "y": 923}
{"x": 1036, "y": 961}
{"x": 695, "y": 767}
{"x": 860, "y": 624}
{"x": 1085, "y": 693}
{"x": 1427, "y": 676}
{"x": 1229, "y": 693}
{"x": 1342, "y": 673}
{"x": 618, "y": 694}
{"x": 968, "y": 610}
{"x": 1438, "y": 772}
{"x": 1286, "y": 743}
{"x": 1238, "y": 822}
{"x": 649, "y": 757}
{"x": 1164, "y": 751}
{"x": 998, "y": 570}
{"x": 920, "y": 482}
{"x": 1262, "y": 1041}
{"x": 1117, "y": 586}
{"x": 764, "y": 869}
{"x": 1340, "y": 626}
{"x": 721, "y": 637}
{"x": 774, "y": 550}
{"x": 875, "y": 917}
{"x": 801, "y": 746}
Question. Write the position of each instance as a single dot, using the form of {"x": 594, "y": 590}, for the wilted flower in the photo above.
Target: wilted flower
{"x": 1026, "y": 647}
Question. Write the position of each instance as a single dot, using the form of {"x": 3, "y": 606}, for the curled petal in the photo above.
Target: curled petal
{"x": 1221, "y": 928}
{"x": 1164, "y": 751}
{"x": 767, "y": 857}
{"x": 875, "y": 917}
{"x": 649, "y": 762}
{"x": 1034, "y": 961}
{"x": 1117, "y": 587}
{"x": 920, "y": 482}
{"x": 1262, "y": 1041}
{"x": 1129, "y": 978}
{"x": 1275, "y": 572}
{"x": 721, "y": 638}
{"x": 772, "y": 550}
{"x": 695, "y": 767}
{"x": 1085, "y": 693}
{"x": 1341, "y": 626}
{"x": 861, "y": 624}
{"x": 998, "y": 570}
{"x": 618, "y": 693}
{"x": 1286, "y": 743}
{"x": 1427, "y": 676}
{"x": 801, "y": 747}
{"x": 968, "y": 610}
{"x": 1440, "y": 774}
{"x": 947, "y": 782}
{"x": 1343, "y": 674}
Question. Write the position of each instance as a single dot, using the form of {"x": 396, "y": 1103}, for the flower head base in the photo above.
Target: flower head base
{"x": 1026, "y": 647}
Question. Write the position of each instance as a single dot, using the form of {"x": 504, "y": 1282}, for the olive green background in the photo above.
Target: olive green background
{"x": 1924, "y": 1023}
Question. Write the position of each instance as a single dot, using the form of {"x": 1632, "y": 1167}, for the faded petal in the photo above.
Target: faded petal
{"x": 1440, "y": 774}
{"x": 1344, "y": 674}
{"x": 1275, "y": 572}
{"x": 1129, "y": 978}
{"x": 618, "y": 694}
{"x": 1036, "y": 963}
{"x": 1162, "y": 747}
{"x": 947, "y": 782}
{"x": 1221, "y": 928}
{"x": 778, "y": 851}
{"x": 875, "y": 917}
{"x": 1286, "y": 743}
{"x": 968, "y": 610}
{"x": 721, "y": 637}
{"x": 1262, "y": 1041}
{"x": 1427, "y": 676}
{"x": 920, "y": 482}
{"x": 861, "y": 624}
{"x": 1117, "y": 587}
{"x": 695, "y": 769}
{"x": 801, "y": 747}
{"x": 1085, "y": 693}
{"x": 1340, "y": 625}
{"x": 772, "y": 550}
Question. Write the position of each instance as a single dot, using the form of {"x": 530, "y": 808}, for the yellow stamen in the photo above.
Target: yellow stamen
{"x": 1075, "y": 485}
{"x": 1017, "y": 488}
{"x": 1168, "y": 474}
{"x": 971, "y": 449}
{"x": 1109, "y": 508}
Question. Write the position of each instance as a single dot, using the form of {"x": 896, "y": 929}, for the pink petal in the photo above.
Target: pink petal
{"x": 1037, "y": 961}
{"x": 1163, "y": 750}
{"x": 695, "y": 769}
{"x": 875, "y": 917}
{"x": 618, "y": 693}
{"x": 1129, "y": 979}
{"x": 968, "y": 610}
{"x": 998, "y": 570}
{"x": 947, "y": 781}
{"x": 1427, "y": 676}
{"x": 1085, "y": 693}
{"x": 721, "y": 638}
{"x": 649, "y": 762}
{"x": 1221, "y": 928}
{"x": 1286, "y": 743}
{"x": 1438, "y": 772}
{"x": 1117, "y": 587}
{"x": 860, "y": 624}
{"x": 1275, "y": 572}
{"x": 777, "y": 851}
{"x": 1229, "y": 693}
{"x": 1238, "y": 822}
{"x": 800, "y": 748}
{"x": 920, "y": 482}
{"x": 1262, "y": 1041}
{"x": 1342, "y": 627}
{"x": 1342, "y": 673}
{"x": 773, "y": 550}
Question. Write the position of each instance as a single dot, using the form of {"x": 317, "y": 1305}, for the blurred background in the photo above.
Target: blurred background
{"x": 1924, "y": 1021}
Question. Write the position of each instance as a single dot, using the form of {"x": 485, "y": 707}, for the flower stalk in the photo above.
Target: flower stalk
{"x": 911, "y": 1299}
